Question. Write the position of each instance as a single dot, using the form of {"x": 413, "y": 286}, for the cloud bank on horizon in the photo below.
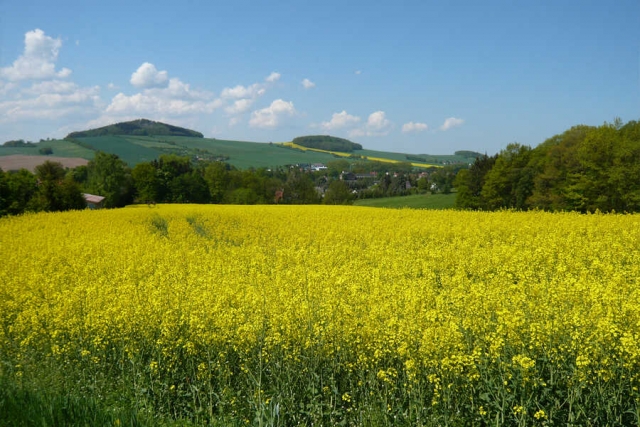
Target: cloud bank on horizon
{"x": 423, "y": 77}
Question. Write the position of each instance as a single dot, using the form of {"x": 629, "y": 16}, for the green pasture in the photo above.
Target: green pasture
{"x": 123, "y": 148}
{"x": 243, "y": 154}
{"x": 60, "y": 147}
{"x": 414, "y": 201}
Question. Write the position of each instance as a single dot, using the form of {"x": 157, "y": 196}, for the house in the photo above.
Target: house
{"x": 93, "y": 201}
{"x": 318, "y": 167}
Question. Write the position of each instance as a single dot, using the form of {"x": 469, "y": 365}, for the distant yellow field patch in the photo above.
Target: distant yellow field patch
{"x": 374, "y": 159}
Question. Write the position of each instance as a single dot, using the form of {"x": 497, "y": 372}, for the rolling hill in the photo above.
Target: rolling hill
{"x": 144, "y": 140}
{"x": 140, "y": 127}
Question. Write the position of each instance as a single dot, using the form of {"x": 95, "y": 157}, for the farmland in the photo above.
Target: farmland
{"x": 414, "y": 201}
{"x": 298, "y": 315}
{"x": 144, "y": 146}
{"x": 16, "y": 162}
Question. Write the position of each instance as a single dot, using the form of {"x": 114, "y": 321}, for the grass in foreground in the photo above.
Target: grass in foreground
{"x": 415, "y": 201}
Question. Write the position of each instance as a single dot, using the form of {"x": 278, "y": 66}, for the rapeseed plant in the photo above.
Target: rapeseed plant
{"x": 298, "y": 315}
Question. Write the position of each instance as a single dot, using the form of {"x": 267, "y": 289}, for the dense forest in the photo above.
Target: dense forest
{"x": 326, "y": 142}
{"x": 584, "y": 169}
{"x": 141, "y": 127}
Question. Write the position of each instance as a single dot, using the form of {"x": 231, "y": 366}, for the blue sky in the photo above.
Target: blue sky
{"x": 428, "y": 77}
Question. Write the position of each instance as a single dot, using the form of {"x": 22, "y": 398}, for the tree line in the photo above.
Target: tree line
{"x": 176, "y": 179}
{"x": 584, "y": 169}
{"x": 326, "y": 142}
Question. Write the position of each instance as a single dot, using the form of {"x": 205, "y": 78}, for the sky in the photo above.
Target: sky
{"x": 423, "y": 77}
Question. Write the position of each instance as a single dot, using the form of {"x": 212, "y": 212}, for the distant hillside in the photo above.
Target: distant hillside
{"x": 328, "y": 143}
{"x": 466, "y": 153}
{"x": 141, "y": 127}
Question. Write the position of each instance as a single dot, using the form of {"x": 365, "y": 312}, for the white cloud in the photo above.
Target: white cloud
{"x": 377, "y": 121}
{"x": 148, "y": 76}
{"x": 273, "y": 77}
{"x": 112, "y": 86}
{"x": 52, "y": 86}
{"x": 340, "y": 120}
{"x": 271, "y": 116}
{"x": 161, "y": 96}
{"x": 234, "y": 121}
{"x": 159, "y": 103}
{"x": 377, "y": 125}
{"x": 51, "y": 102}
{"x": 253, "y": 91}
{"x": 358, "y": 72}
{"x": 6, "y": 87}
{"x": 240, "y": 106}
{"x": 451, "y": 122}
{"x": 38, "y": 59}
{"x": 414, "y": 127}
{"x": 308, "y": 84}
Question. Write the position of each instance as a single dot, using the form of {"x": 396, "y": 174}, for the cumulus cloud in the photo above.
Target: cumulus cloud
{"x": 51, "y": 102}
{"x": 163, "y": 103}
{"x": 161, "y": 96}
{"x": 377, "y": 125}
{"x": 38, "y": 60}
{"x": 52, "y": 86}
{"x": 450, "y": 123}
{"x": 273, "y": 77}
{"x": 377, "y": 121}
{"x": 252, "y": 91}
{"x": 240, "y": 106}
{"x": 147, "y": 76}
{"x": 271, "y": 116}
{"x": 308, "y": 84}
{"x": 340, "y": 120}
{"x": 414, "y": 127}
{"x": 239, "y": 91}
{"x": 6, "y": 87}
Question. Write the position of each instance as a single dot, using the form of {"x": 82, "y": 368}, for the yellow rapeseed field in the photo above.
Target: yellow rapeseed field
{"x": 319, "y": 315}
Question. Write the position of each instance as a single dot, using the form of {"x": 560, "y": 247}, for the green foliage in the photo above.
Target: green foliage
{"x": 21, "y": 186}
{"x": 299, "y": 189}
{"x": 335, "y": 167}
{"x": 217, "y": 178}
{"x": 326, "y": 142}
{"x": 146, "y": 181}
{"x": 469, "y": 183}
{"x": 468, "y": 154}
{"x": 55, "y": 191}
{"x": 45, "y": 151}
{"x": 4, "y": 194}
{"x": 18, "y": 143}
{"x": 137, "y": 127}
{"x": 159, "y": 225}
{"x": 509, "y": 182}
{"x": 338, "y": 193}
{"x": 441, "y": 180}
{"x": 30, "y": 406}
{"x": 414, "y": 158}
{"x": 110, "y": 177}
{"x": 584, "y": 169}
